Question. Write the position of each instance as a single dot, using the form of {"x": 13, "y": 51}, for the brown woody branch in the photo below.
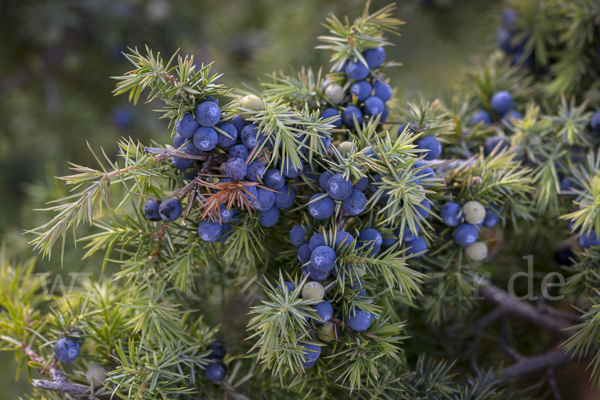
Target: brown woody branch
{"x": 529, "y": 367}
{"x": 508, "y": 307}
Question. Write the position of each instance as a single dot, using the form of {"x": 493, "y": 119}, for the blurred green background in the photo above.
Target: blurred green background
{"x": 58, "y": 56}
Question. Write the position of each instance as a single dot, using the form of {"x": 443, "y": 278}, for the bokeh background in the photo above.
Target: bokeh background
{"x": 57, "y": 57}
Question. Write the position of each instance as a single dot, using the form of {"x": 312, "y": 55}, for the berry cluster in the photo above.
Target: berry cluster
{"x": 467, "y": 219}
{"x": 216, "y": 370}
{"x": 357, "y": 320}
{"x": 363, "y": 91}
{"x": 501, "y": 105}
{"x": 507, "y": 39}
{"x": 231, "y": 144}
{"x": 321, "y": 254}
{"x": 339, "y": 189}
{"x": 166, "y": 210}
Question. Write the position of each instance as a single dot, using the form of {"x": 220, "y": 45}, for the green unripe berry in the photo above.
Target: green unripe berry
{"x": 477, "y": 251}
{"x": 334, "y": 93}
{"x": 359, "y": 272}
{"x": 346, "y": 148}
{"x": 95, "y": 373}
{"x": 313, "y": 291}
{"x": 250, "y": 102}
{"x": 326, "y": 333}
{"x": 474, "y": 212}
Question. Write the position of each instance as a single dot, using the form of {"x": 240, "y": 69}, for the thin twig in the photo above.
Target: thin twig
{"x": 173, "y": 153}
{"x": 503, "y": 342}
{"x": 553, "y": 385}
{"x": 559, "y": 314}
{"x": 483, "y": 323}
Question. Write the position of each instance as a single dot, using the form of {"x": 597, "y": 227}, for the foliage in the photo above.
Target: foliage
{"x": 425, "y": 334}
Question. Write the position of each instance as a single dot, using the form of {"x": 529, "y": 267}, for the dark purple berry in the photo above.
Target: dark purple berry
{"x": 230, "y": 130}
{"x": 265, "y": 199}
{"x": 215, "y": 371}
{"x": 373, "y": 106}
{"x": 66, "y": 350}
{"x": 338, "y": 187}
{"x": 256, "y": 171}
{"x": 205, "y": 139}
{"x": 239, "y": 123}
{"x": 349, "y": 114}
{"x": 251, "y": 136}
{"x": 361, "y": 90}
{"x": 186, "y": 126}
{"x": 208, "y": 114}
{"x": 323, "y": 258}
{"x": 209, "y": 231}
{"x": 432, "y": 146}
{"x": 235, "y": 168}
{"x": 355, "y": 203}
{"x": 274, "y": 179}
{"x": 217, "y": 349}
{"x": 315, "y": 241}
{"x": 359, "y": 320}
{"x": 466, "y": 234}
{"x": 240, "y": 151}
{"x": 323, "y": 179}
{"x": 356, "y": 70}
{"x": 268, "y": 218}
{"x": 182, "y": 163}
{"x": 501, "y": 102}
{"x": 374, "y": 57}
{"x": 416, "y": 246}
{"x": 311, "y": 352}
{"x": 321, "y": 209}
{"x": 285, "y": 198}
{"x": 382, "y": 90}
{"x": 298, "y": 235}
{"x": 304, "y": 253}
{"x": 332, "y": 112}
{"x": 324, "y": 311}
{"x": 151, "y": 210}
{"x": 170, "y": 209}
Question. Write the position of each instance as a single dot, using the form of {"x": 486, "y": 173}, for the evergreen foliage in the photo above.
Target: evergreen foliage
{"x": 403, "y": 284}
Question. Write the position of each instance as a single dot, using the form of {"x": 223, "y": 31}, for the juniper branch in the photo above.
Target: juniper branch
{"x": 59, "y": 382}
{"x": 538, "y": 365}
{"x": 521, "y": 310}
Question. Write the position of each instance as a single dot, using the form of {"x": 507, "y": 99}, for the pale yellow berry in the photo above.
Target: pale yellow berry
{"x": 477, "y": 251}
{"x": 95, "y": 373}
{"x": 334, "y": 93}
{"x": 346, "y": 148}
{"x": 313, "y": 291}
{"x": 250, "y": 102}
{"x": 326, "y": 332}
{"x": 474, "y": 212}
